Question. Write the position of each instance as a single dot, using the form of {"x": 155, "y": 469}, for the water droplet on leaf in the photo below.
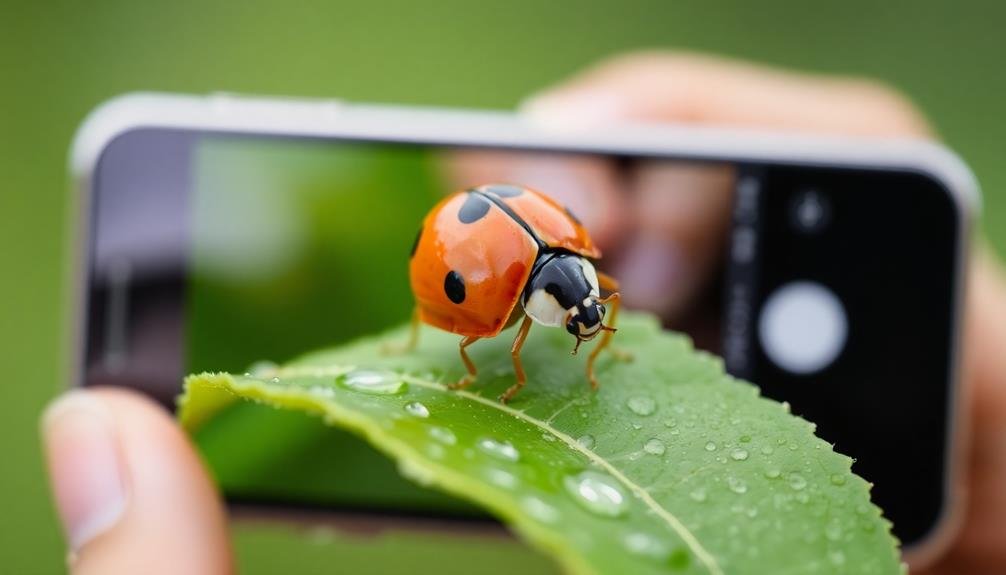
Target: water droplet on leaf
{"x": 322, "y": 391}
{"x": 710, "y": 446}
{"x": 597, "y": 492}
{"x": 737, "y": 485}
{"x": 739, "y": 454}
{"x": 654, "y": 447}
{"x": 646, "y": 545}
{"x": 698, "y": 494}
{"x": 443, "y": 435}
{"x": 262, "y": 368}
{"x": 837, "y": 479}
{"x": 587, "y": 441}
{"x": 417, "y": 409}
{"x": 503, "y": 450}
{"x": 502, "y": 478}
{"x": 372, "y": 382}
{"x": 796, "y": 481}
{"x": 642, "y": 405}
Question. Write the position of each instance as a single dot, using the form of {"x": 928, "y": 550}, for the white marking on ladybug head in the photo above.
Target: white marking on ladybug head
{"x": 585, "y": 322}
{"x": 590, "y": 274}
{"x": 543, "y": 308}
{"x": 563, "y": 292}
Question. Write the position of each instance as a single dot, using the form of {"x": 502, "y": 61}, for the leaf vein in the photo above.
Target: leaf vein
{"x": 673, "y": 522}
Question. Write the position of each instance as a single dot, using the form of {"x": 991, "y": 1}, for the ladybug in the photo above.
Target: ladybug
{"x": 491, "y": 256}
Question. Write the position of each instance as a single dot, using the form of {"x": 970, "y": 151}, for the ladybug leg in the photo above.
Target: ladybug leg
{"x": 410, "y": 344}
{"x": 472, "y": 372}
{"x": 609, "y": 284}
{"x": 606, "y": 282}
{"x": 518, "y": 369}
{"x": 613, "y": 299}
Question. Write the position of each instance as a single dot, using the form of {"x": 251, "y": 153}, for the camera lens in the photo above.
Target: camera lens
{"x": 810, "y": 211}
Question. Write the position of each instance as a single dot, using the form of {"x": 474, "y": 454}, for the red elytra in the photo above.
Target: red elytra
{"x": 483, "y": 251}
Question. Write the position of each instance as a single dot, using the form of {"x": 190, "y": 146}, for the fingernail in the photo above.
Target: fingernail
{"x": 84, "y": 466}
{"x": 574, "y": 110}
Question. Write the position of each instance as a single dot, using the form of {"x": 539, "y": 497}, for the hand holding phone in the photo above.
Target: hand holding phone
{"x": 762, "y": 98}
{"x": 709, "y": 90}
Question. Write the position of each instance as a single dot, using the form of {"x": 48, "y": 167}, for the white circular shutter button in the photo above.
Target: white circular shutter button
{"x": 803, "y": 327}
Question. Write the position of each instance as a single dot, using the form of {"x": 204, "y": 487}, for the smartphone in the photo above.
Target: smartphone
{"x": 221, "y": 231}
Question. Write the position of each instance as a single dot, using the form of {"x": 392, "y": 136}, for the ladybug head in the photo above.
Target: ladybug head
{"x": 563, "y": 291}
{"x": 585, "y": 320}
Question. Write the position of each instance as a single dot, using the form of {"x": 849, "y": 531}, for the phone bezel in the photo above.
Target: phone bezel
{"x": 331, "y": 119}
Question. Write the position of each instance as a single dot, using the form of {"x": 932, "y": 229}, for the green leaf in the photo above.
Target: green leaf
{"x": 672, "y": 466}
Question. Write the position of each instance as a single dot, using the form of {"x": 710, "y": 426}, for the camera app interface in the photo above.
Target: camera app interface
{"x": 831, "y": 289}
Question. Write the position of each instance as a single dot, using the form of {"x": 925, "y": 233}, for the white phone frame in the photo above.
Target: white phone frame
{"x": 294, "y": 117}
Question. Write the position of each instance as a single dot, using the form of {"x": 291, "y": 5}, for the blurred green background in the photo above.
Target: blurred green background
{"x": 60, "y": 59}
{"x": 315, "y": 256}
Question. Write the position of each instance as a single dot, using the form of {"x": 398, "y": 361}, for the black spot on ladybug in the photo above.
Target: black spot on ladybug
{"x": 415, "y": 243}
{"x": 454, "y": 287}
{"x": 504, "y": 190}
{"x": 474, "y": 209}
{"x": 572, "y": 216}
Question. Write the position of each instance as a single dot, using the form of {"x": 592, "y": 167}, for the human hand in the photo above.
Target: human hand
{"x": 134, "y": 496}
{"x": 689, "y": 88}
{"x": 664, "y": 247}
{"x": 130, "y": 489}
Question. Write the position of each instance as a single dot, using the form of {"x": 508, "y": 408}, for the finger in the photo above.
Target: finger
{"x": 682, "y": 219}
{"x": 681, "y": 216}
{"x": 681, "y": 87}
{"x": 682, "y": 213}
{"x": 588, "y": 185}
{"x": 131, "y": 492}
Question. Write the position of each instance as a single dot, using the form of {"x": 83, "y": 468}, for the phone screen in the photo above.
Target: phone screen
{"x": 831, "y": 288}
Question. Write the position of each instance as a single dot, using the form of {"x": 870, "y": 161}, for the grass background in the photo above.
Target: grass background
{"x": 60, "y": 59}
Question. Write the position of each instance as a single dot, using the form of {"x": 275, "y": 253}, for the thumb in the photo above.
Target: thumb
{"x": 131, "y": 492}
